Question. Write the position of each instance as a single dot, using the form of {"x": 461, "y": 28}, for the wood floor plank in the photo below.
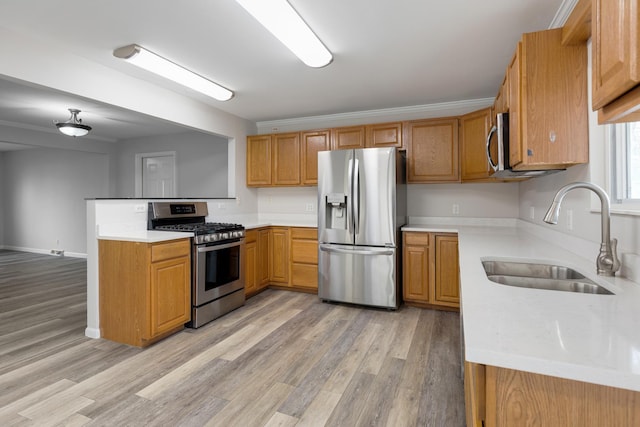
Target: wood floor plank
{"x": 283, "y": 359}
{"x": 320, "y": 409}
{"x": 378, "y": 406}
{"x": 281, "y": 420}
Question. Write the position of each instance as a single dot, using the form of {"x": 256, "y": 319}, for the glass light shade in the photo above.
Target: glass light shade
{"x": 279, "y": 17}
{"x": 156, "y": 64}
{"x": 73, "y": 126}
{"x": 73, "y": 129}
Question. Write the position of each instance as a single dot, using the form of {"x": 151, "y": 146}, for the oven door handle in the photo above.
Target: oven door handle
{"x": 201, "y": 249}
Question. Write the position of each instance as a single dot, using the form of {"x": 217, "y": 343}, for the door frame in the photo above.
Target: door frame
{"x": 139, "y": 157}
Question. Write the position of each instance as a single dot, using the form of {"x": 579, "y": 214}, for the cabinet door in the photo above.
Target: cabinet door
{"x": 553, "y": 120}
{"x": 616, "y": 49}
{"x": 417, "y": 269}
{"x": 515, "y": 138}
{"x": 262, "y": 265}
{"x": 259, "y": 160}
{"x": 501, "y": 104}
{"x": 170, "y": 295}
{"x": 312, "y": 144}
{"x": 432, "y": 150}
{"x": 474, "y": 128}
{"x": 286, "y": 159}
{"x": 279, "y": 250}
{"x": 346, "y": 138}
{"x": 251, "y": 266}
{"x": 384, "y": 135}
{"x": 447, "y": 276}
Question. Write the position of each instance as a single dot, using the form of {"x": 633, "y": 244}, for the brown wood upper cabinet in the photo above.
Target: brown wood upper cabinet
{"x": 312, "y": 143}
{"x": 347, "y": 138}
{"x": 474, "y": 128}
{"x": 259, "y": 160}
{"x": 273, "y": 160}
{"x": 367, "y": 136}
{"x": 548, "y": 123}
{"x": 432, "y": 150}
{"x": 286, "y": 159}
{"x": 615, "y": 39}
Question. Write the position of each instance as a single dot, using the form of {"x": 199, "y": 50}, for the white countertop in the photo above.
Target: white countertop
{"x": 145, "y": 236}
{"x": 584, "y": 337}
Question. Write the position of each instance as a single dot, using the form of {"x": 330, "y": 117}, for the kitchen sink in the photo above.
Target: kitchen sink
{"x": 541, "y": 276}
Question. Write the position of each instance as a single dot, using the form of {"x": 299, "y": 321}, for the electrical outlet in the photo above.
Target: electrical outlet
{"x": 140, "y": 208}
{"x": 309, "y": 207}
{"x": 222, "y": 206}
{"x": 569, "y": 219}
{"x": 532, "y": 212}
{"x": 455, "y": 209}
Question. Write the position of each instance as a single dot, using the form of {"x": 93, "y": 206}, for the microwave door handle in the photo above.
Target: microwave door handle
{"x": 356, "y": 196}
{"x": 491, "y": 164}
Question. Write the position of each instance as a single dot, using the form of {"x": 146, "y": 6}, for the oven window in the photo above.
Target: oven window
{"x": 222, "y": 267}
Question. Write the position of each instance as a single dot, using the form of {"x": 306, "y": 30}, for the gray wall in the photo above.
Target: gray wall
{"x": 43, "y": 200}
{"x": 201, "y": 163}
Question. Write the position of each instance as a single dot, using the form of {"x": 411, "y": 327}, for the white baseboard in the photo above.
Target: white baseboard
{"x": 92, "y": 333}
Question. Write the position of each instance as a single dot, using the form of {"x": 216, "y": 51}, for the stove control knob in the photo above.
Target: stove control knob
{"x": 225, "y": 235}
{"x": 215, "y": 237}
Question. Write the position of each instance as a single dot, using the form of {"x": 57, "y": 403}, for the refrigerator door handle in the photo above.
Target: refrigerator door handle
{"x": 356, "y": 196}
{"x": 356, "y": 252}
{"x": 350, "y": 196}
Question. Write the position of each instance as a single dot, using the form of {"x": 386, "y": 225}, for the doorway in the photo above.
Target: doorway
{"x": 155, "y": 175}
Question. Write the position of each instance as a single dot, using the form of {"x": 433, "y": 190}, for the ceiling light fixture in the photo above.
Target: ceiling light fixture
{"x": 73, "y": 126}
{"x": 281, "y": 19}
{"x": 143, "y": 58}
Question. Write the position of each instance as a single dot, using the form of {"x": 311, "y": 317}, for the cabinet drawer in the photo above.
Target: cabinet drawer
{"x": 304, "y": 251}
{"x": 173, "y": 249}
{"x": 304, "y": 233}
{"x": 416, "y": 239}
{"x": 250, "y": 236}
{"x": 304, "y": 275}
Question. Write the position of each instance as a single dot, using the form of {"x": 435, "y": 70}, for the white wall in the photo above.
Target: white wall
{"x": 201, "y": 163}
{"x": 474, "y": 200}
{"x": 44, "y": 191}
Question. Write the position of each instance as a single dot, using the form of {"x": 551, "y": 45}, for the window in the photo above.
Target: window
{"x": 625, "y": 165}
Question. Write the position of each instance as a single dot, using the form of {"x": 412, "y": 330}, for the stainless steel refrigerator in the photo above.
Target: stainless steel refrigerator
{"x": 361, "y": 207}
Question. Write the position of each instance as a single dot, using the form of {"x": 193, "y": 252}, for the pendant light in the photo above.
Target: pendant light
{"x": 73, "y": 126}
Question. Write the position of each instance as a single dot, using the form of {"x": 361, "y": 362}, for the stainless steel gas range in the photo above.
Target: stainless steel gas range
{"x": 217, "y": 277}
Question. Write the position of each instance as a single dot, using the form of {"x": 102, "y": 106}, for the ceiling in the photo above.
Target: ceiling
{"x": 387, "y": 54}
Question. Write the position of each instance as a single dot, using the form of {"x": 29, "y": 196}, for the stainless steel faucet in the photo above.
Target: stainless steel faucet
{"x": 607, "y": 262}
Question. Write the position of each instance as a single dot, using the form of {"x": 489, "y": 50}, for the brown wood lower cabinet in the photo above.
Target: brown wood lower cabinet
{"x": 501, "y": 397}
{"x": 145, "y": 289}
{"x": 304, "y": 258}
{"x": 430, "y": 270}
{"x": 256, "y": 260}
{"x": 281, "y": 257}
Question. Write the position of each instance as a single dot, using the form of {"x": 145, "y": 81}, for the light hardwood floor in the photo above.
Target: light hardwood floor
{"x": 283, "y": 359}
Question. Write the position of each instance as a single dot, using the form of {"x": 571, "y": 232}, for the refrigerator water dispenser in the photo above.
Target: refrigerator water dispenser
{"x": 336, "y": 207}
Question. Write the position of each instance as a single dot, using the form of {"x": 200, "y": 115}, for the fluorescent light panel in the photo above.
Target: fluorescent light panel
{"x": 283, "y": 21}
{"x": 149, "y": 61}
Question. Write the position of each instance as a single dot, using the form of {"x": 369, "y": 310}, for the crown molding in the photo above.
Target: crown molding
{"x": 563, "y": 13}
{"x": 369, "y": 116}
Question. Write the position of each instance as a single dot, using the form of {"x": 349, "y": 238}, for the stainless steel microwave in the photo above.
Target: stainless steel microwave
{"x": 498, "y": 152}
